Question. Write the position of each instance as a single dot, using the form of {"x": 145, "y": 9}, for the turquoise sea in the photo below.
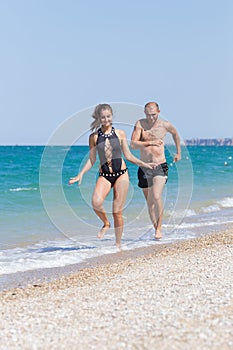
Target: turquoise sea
{"x": 47, "y": 223}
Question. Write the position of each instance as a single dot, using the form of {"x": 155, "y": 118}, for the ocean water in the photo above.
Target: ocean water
{"x": 47, "y": 223}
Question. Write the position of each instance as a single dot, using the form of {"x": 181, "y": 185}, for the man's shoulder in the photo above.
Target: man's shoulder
{"x": 164, "y": 122}
{"x": 141, "y": 123}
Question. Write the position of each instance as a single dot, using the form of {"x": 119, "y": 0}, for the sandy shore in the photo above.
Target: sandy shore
{"x": 178, "y": 297}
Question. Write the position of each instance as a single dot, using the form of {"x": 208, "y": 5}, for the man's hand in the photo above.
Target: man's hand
{"x": 177, "y": 157}
{"x": 155, "y": 142}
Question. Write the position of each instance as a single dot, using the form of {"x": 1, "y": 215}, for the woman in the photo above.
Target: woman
{"x": 109, "y": 143}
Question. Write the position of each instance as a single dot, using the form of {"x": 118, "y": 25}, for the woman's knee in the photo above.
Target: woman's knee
{"x": 117, "y": 215}
{"x": 118, "y": 219}
{"x": 97, "y": 202}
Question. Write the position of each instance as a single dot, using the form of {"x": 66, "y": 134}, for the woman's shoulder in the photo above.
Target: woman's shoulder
{"x": 95, "y": 132}
{"x": 120, "y": 133}
{"x": 93, "y": 136}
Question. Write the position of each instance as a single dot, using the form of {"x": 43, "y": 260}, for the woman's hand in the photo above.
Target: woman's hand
{"x": 77, "y": 178}
{"x": 149, "y": 165}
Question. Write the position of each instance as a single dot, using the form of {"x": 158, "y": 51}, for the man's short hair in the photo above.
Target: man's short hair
{"x": 151, "y": 103}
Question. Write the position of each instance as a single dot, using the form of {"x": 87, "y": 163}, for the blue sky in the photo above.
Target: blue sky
{"x": 60, "y": 57}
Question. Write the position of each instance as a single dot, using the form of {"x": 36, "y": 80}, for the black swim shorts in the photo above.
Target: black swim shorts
{"x": 145, "y": 176}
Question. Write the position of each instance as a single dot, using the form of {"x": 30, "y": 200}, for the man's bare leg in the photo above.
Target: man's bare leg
{"x": 148, "y": 193}
{"x": 153, "y": 197}
{"x": 157, "y": 190}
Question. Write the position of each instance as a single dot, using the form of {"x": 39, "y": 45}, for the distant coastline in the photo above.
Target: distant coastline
{"x": 186, "y": 142}
{"x": 209, "y": 142}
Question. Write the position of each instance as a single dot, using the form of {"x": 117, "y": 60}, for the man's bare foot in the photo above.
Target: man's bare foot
{"x": 158, "y": 234}
{"x": 103, "y": 230}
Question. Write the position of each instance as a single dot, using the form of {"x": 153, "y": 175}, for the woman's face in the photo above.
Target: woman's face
{"x": 106, "y": 117}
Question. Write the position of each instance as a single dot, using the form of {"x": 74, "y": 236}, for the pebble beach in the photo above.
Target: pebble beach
{"x": 177, "y": 297}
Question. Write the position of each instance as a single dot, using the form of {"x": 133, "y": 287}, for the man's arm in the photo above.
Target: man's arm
{"x": 176, "y": 138}
{"x": 128, "y": 155}
{"x": 137, "y": 143}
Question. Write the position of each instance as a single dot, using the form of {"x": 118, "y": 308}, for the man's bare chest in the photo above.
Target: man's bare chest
{"x": 157, "y": 132}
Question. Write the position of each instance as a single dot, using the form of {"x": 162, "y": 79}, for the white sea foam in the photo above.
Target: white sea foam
{"x": 199, "y": 224}
{"x": 190, "y": 225}
{"x": 226, "y": 202}
{"x": 190, "y": 212}
{"x": 180, "y": 213}
{"x": 58, "y": 254}
{"x": 18, "y": 189}
{"x": 41, "y": 255}
{"x": 210, "y": 208}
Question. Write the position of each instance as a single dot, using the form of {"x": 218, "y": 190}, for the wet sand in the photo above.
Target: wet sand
{"x": 176, "y": 296}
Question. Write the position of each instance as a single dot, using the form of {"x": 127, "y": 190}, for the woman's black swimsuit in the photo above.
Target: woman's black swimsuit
{"x": 108, "y": 145}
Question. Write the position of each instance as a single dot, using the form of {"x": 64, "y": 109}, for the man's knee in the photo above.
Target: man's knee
{"x": 157, "y": 197}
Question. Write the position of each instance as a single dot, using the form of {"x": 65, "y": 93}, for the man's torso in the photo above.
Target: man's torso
{"x": 156, "y": 132}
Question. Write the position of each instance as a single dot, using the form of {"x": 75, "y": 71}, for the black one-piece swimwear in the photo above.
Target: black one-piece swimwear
{"x": 110, "y": 155}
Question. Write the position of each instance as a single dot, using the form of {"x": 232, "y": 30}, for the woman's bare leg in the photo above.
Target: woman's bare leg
{"x": 120, "y": 193}
{"x": 101, "y": 191}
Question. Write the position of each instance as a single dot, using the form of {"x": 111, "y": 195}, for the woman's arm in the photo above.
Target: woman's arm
{"x": 89, "y": 163}
{"x": 128, "y": 155}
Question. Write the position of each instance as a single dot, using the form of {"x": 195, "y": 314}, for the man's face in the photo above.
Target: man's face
{"x": 152, "y": 113}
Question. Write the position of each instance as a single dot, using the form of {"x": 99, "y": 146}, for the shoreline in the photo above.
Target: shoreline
{"x": 45, "y": 277}
{"x": 176, "y": 297}
{"x": 29, "y": 278}
{"x": 22, "y": 279}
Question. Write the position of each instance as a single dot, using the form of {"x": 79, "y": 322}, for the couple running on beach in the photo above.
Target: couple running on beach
{"x": 148, "y": 136}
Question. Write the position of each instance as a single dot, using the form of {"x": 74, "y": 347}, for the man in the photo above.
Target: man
{"x": 148, "y": 136}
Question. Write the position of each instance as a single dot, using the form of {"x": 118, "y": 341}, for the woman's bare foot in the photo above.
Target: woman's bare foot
{"x": 103, "y": 230}
{"x": 158, "y": 234}
{"x": 118, "y": 245}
